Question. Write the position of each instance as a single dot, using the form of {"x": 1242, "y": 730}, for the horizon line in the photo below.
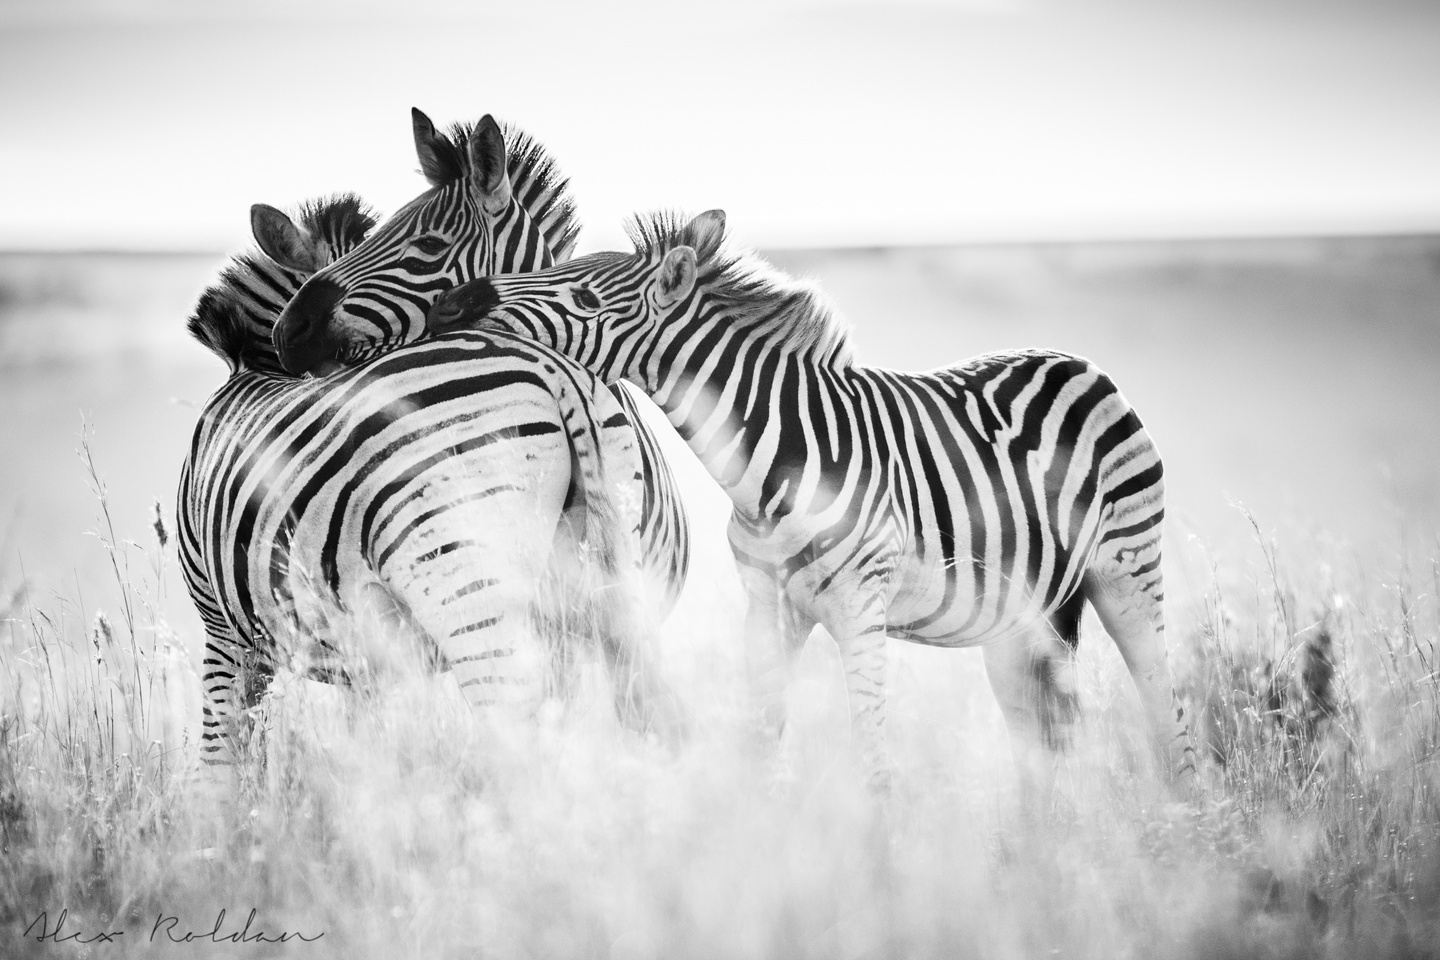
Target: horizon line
{"x": 1427, "y": 233}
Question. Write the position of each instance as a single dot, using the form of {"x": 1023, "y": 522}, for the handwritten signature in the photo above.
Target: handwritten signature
{"x": 166, "y": 927}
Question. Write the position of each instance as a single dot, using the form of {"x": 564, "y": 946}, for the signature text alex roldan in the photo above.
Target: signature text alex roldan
{"x": 167, "y": 927}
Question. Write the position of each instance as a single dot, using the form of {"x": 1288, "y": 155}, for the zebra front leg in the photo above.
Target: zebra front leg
{"x": 775, "y": 633}
{"x": 1033, "y": 677}
{"x": 865, "y": 656}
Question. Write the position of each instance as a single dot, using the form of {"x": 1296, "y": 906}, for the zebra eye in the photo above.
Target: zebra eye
{"x": 431, "y": 245}
{"x": 585, "y": 299}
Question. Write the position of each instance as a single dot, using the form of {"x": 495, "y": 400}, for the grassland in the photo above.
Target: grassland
{"x": 398, "y": 824}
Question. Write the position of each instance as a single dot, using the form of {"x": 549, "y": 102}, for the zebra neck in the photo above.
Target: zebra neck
{"x": 750, "y": 409}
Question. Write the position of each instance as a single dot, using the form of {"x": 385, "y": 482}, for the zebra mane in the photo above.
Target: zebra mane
{"x": 342, "y": 220}
{"x": 773, "y": 302}
{"x": 235, "y": 315}
{"x": 535, "y": 181}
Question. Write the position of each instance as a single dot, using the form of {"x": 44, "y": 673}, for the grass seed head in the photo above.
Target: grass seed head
{"x": 157, "y": 523}
{"x": 101, "y": 631}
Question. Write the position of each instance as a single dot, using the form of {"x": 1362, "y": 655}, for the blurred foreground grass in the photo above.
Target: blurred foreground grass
{"x": 397, "y": 824}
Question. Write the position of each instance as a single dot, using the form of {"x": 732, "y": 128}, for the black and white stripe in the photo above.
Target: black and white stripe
{"x": 979, "y": 504}
{"x": 497, "y": 204}
{"x": 425, "y": 492}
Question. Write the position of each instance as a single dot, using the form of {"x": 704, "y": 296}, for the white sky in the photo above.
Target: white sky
{"x": 156, "y": 124}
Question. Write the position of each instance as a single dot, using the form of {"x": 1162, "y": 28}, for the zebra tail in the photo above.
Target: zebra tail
{"x": 610, "y": 478}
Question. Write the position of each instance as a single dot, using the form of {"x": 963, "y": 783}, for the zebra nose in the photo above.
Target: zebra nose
{"x": 302, "y": 333}
{"x": 462, "y": 306}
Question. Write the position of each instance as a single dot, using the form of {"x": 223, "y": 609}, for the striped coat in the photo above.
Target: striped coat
{"x": 421, "y": 496}
{"x": 496, "y": 204}
{"x": 980, "y": 504}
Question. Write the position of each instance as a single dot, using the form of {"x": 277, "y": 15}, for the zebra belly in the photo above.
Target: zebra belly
{"x": 926, "y": 597}
{"x": 928, "y": 606}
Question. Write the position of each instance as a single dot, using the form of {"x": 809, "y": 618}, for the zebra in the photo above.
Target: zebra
{"x": 428, "y": 489}
{"x": 983, "y": 503}
{"x": 496, "y": 204}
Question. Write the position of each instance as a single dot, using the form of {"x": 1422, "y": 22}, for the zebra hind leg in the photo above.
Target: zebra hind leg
{"x": 474, "y": 602}
{"x": 592, "y": 598}
{"x": 644, "y": 701}
{"x": 1125, "y": 587}
{"x": 599, "y": 598}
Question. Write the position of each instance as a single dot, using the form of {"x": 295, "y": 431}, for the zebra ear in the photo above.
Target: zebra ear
{"x": 488, "y": 165}
{"x": 433, "y": 150}
{"x": 705, "y": 233}
{"x": 676, "y": 276}
{"x": 282, "y": 240}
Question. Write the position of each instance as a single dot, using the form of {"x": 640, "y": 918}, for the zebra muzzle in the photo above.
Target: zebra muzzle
{"x": 462, "y": 307}
{"x": 303, "y": 338}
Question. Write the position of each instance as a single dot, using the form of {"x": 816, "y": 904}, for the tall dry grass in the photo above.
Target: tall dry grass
{"x": 398, "y": 824}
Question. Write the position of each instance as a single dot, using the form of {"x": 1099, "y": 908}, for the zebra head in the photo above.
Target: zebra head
{"x": 610, "y": 312}
{"x": 235, "y": 317}
{"x": 492, "y": 206}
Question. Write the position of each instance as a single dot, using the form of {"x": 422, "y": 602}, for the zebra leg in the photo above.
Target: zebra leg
{"x": 1033, "y": 677}
{"x": 1124, "y": 585}
{"x": 228, "y": 689}
{"x": 775, "y": 633}
{"x": 865, "y": 656}
{"x": 467, "y": 578}
{"x": 235, "y": 678}
{"x": 643, "y": 700}
{"x": 485, "y": 642}
{"x": 610, "y": 471}
{"x": 612, "y": 604}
